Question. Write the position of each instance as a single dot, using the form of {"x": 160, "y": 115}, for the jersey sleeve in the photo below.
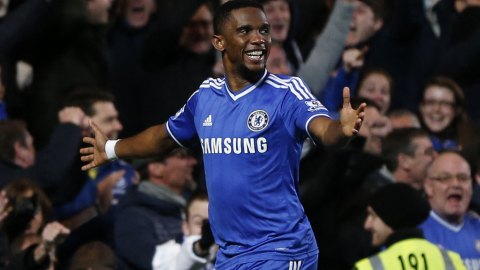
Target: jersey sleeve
{"x": 299, "y": 108}
{"x": 181, "y": 126}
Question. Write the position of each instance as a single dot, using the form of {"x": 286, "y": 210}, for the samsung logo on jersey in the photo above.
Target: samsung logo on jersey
{"x": 235, "y": 145}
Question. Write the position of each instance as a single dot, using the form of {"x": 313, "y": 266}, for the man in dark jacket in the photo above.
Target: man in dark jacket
{"x": 52, "y": 169}
{"x": 150, "y": 213}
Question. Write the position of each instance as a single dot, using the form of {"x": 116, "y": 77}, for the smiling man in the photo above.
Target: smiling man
{"x": 449, "y": 190}
{"x": 251, "y": 125}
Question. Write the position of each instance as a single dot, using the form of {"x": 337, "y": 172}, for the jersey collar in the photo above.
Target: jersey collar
{"x": 448, "y": 225}
{"x": 246, "y": 90}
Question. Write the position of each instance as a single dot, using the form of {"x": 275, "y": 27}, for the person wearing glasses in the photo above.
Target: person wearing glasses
{"x": 449, "y": 190}
{"x": 443, "y": 115}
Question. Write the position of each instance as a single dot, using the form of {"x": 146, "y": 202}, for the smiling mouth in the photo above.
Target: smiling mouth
{"x": 255, "y": 55}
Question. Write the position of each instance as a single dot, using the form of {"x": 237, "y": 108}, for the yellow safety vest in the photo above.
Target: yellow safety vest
{"x": 412, "y": 254}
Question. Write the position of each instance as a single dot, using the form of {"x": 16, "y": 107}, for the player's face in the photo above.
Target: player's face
{"x": 380, "y": 230}
{"x": 363, "y": 25}
{"x": 278, "y": 15}
{"x": 449, "y": 186}
{"x": 377, "y": 88}
{"x": 246, "y": 40}
{"x": 138, "y": 12}
{"x": 106, "y": 118}
{"x": 197, "y": 33}
{"x": 438, "y": 108}
{"x": 197, "y": 212}
{"x": 277, "y": 62}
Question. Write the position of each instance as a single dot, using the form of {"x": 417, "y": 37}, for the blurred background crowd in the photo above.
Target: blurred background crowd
{"x": 131, "y": 64}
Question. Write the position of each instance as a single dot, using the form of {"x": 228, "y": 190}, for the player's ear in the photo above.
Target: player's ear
{"x": 218, "y": 42}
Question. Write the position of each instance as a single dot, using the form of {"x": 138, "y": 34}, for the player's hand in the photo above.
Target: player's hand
{"x": 95, "y": 154}
{"x": 350, "y": 118}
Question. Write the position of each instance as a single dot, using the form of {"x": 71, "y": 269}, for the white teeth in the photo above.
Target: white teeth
{"x": 254, "y": 53}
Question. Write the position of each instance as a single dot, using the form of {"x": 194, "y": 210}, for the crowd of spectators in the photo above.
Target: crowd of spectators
{"x": 131, "y": 64}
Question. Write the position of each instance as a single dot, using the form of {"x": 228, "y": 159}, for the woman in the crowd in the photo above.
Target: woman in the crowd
{"x": 377, "y": 85}
{"x": 443, "y": 114}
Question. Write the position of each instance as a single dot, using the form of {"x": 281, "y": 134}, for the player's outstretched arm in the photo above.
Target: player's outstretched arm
{"x": 335, "y": 132}
{"x": 152, "y": 142}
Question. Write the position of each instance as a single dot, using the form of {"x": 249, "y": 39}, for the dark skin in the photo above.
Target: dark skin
{"x": 245, "y": 32}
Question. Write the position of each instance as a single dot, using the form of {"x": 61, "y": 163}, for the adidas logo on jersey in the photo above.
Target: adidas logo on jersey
{"x": 208, "y": 121}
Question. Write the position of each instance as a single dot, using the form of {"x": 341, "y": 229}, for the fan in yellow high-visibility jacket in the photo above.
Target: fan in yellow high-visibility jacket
{"x": 394, "y": 213}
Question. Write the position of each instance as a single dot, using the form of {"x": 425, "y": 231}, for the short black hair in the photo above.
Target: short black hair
{"x": 222, "y": 14}
{"x": 400, "y": 141}
{"x": 86, "y": 97}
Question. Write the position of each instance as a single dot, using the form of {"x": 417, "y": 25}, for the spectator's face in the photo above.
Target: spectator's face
{"x": 98, "y": 11}
{"x": 404, "y": 121}
{"x": 25, "y": 154}
{"x": 423, "y": 157}
{"x": 380, "y": 230}
{"x": 277, "y": 62}
{"x": 363, "y": 25}
{"x": 374, "y": 128}
{"x": 106, "y": 118}
{"x": 3, "y": 7}
{"x": 438, "y": 108}
{"x": 197, "y": 33}
{"x": 35, "y": 224}
{"x": 138, "y": 12}
{"x": 177, "y": 171}
{"x": 245, "y": 41}
{"x": 449, "y": 186}
{"x": 197, "y": 212}
{"x": 278, "y": 15}
{"x": 377, "y": 88}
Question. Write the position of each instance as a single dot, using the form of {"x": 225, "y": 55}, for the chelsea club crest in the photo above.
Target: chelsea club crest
{"x": 257, "y": 120}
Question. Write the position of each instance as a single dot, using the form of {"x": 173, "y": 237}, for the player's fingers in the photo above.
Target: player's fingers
{"x": 346, "y": 97}
{"x": 361, "y": 115}
{"x": 361, "y": 108}
{"x": 95, "y": 128}
{"x": 89, "y": 140}
{"x": 88, "y": 166}
{"x": 88, "y": 150}
{"x": 87, "y": 158}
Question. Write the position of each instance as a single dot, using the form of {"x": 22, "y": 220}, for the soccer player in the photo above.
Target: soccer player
{"x": 251, "y": 125}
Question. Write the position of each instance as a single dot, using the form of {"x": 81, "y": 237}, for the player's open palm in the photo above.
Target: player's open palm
{"x": 350, "y": 118}
{"x": 95, "y": 154}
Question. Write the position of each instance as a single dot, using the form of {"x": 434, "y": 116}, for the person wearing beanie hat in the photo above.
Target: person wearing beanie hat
{"x": 394, "y": 213}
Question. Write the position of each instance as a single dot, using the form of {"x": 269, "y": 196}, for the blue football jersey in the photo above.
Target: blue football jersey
{"x": 252, "y": 141}
{"x": 462, "y": 238}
